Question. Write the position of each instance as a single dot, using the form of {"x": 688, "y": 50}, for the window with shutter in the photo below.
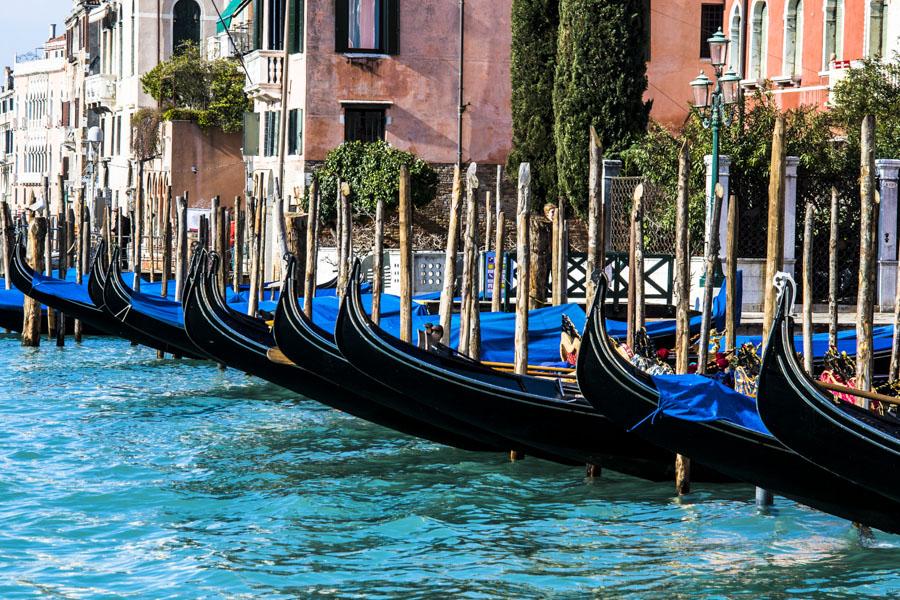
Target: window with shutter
{"x": 298, "y": 11}
{"x": 251, "y": 134}
{"x": 295, "y": 132}
{"x": 367, "y": 26}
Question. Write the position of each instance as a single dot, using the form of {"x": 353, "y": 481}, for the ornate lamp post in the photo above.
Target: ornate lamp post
{"x": 715, "y": 109}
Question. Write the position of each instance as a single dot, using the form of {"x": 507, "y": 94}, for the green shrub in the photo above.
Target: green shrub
{"x": 373, "y": 172}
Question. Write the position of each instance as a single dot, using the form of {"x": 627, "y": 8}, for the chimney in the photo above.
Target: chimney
{"x": 52, "y": 30}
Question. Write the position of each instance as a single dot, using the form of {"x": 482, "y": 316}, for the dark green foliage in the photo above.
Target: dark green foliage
{"x": 210, "y": 92}
{"x": 600, "y": 80}
{"x": 809, "y": 135}
{"x": 373, "y": 172}
{"x": 873, "y": 89}
{"x": 532, "y": 67}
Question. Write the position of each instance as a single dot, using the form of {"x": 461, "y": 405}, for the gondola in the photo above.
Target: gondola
{"x": 545, "y": 417}
{"x": 96, "y": 283}
{"x": 627, "y": 396}
{"x": 166, "y": 334}
{"x": 314, "y": 349}
{"x": 228, "y": 337}
{"x": 68, "y": 297}
{"x": 848, "y": 440}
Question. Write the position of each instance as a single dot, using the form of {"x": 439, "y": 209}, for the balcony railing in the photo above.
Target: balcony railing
{"x": 100, "y": 90}
{"x": 264, "y": 68}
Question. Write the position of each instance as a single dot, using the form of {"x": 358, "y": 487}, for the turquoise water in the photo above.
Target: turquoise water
{"x": 125, "y": 476}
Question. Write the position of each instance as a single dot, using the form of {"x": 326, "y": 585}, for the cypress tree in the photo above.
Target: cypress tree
{"x": 600, "y": 79}
{"x": 532, "y": 66}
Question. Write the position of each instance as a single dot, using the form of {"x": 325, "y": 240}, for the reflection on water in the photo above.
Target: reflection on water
{"x": 124, "y": 475}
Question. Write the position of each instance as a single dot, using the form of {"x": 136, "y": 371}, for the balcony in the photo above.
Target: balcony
{"x": 100, "y": 90}
{"x": 264, "y": 68}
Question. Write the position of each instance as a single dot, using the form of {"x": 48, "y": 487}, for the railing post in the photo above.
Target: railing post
{"x": 888, "y": 170}
{"x": 724, "y": 177}
{"x": 790, "y": 214}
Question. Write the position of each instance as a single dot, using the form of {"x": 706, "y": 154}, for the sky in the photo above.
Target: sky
{"x": 27, "y": 25}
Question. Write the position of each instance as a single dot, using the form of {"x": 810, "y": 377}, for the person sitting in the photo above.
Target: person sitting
{"x": 430, "y": 340}
{"x": 569, "y": 342}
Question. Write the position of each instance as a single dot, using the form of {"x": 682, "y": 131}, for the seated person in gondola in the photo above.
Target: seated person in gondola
{"x": 569, "y": 343}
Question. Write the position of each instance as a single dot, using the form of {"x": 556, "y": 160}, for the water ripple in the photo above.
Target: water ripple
{"x": 125, "y": 476}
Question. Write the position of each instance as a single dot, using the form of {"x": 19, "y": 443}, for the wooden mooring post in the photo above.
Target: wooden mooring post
{"x": 774, "y": 249}
{"x": 682, "y": 296}
{"x": 255, "y": 257}
{"x": 238, "y": 248}
{"x": 523, "y": 262}
{"x": 166, "y": 242}
{"x": 833, "y": 270}
{"x": 406, "y": 265}
{"x": 312, "y": 247}
{"x": 807, "y": 288}
{"x": 469, "y": 306}
{"x": 62, "y": 247}
{"x": 487, "y": 221}
{"x": 732, "y": 310}
{"x": 712, "y": 253}
{"x": 595, "y": 252}
{"x": 449, "y": 288}
{"x": 499, "y": 262}
{"x": 6, "y": 233}
{"x": 378, "y": 262}
{"x": 137, "y": 242}
{"x": 31, "y": 325}
{"x": 868, "y": 223}
{"x": 81, "y": 233}
{"x": 181, "y": 248}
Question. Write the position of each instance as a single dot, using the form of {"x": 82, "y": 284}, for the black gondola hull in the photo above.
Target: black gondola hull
{"x": 627, "y": 396}
{"x": 845, "y": 439}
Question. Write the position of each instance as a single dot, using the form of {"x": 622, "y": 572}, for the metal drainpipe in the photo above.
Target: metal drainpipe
{"x": 462, "y": 106}
{"x": 745, "y": 25}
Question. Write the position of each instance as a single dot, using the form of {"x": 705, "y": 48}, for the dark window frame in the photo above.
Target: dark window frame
{"x": 365, "y": 122}
{"x": 709, "y": 24}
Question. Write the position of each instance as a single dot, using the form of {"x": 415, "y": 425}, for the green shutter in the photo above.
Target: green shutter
{"x": 299, "y": 132}
{"x": 391, "y": 22}
{"x": 292, "y": 132}
{"x": 297, "y": 32}
{"x": 251, "y": 134}
{"x": 341, "y": 18}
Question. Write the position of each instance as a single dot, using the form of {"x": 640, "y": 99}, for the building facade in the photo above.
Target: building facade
{"x": 804, "y": 47}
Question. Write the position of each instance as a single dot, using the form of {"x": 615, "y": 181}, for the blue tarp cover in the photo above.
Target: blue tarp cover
{"x": 68, "y": 290}
{"x": 698, "y": 398}
{"x": 10, "y": 297}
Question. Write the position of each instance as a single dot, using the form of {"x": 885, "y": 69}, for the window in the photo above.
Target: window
{"x": 711, "y": 19}
{"x": 834, "y": 32}
{"x": 270, "y": 141}
{"x": 759, "y": 40}
{"x": 364, "y": 124}
{"x": 275, "y": 18}
{"x": 367, "y": 26}
{"x": 736, "y": 35}
{"x": 877, "y": 29}
{"x": 793, "y": 37}
{"x": 295, "y": 132}
{"x": 185, "y": 23}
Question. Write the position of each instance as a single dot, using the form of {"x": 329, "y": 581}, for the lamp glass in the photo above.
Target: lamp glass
{"x": 730, "y": 83}
{"x": 718, "y": 47}
{"x": 700, "y": 90}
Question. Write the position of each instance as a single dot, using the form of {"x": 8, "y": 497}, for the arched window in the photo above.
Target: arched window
{"x": 736, "y": 34}
{"x": 877, "y": 27}
{"x": 185, "y": 23}
{"x": 833, "y": 48}
{"x": 759, "y": 40}
{"x": 793, "y": 37}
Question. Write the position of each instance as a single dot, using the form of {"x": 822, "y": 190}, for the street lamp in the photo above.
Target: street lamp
{"x": 715, "y": 109}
